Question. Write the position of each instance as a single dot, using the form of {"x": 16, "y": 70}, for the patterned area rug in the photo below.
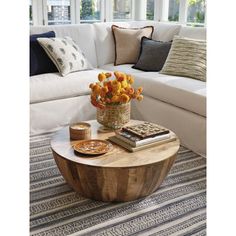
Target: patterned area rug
{"x": 178, "y": 207}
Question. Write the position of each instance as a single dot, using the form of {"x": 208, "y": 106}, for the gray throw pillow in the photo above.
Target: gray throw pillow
{"x": 152, "y": 55}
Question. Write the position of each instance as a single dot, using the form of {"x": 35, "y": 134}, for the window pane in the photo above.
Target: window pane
{"x": 58, "y": 12}
{"x": 30, "y": 13}
{"x": 122, "y": 9}
{"x": 173, "y": 10}
{"x": 90, "y": 10}
{"x": 150, "y": 10}
{"x": 196, "y": 11}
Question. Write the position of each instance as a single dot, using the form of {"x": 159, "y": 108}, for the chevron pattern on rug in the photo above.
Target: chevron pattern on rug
{"x": 178, "y": 207}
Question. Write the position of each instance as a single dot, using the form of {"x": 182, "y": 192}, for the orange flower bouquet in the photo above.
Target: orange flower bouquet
{"x": 111, "y": 95}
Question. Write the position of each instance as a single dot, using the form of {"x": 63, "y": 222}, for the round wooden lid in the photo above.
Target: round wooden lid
{"x": 118, "y": 157}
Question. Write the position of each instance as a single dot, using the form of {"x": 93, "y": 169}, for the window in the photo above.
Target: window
{"x": 58, "y": 12}
{"x": 30, "y": 13}
{"x": 52, "y": 12}
{"x": 122, "y": 9}
{"x": 150, "y": 10}
{"x": 90, "y": 11}
{"x": 196, "y": 12}
{"x": 173, "y": 10}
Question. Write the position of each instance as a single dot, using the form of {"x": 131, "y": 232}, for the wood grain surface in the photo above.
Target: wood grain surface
{"x": 115, "y": 176}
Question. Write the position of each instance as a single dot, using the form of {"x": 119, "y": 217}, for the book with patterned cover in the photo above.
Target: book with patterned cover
{"x": 146, "y": 130}
{"x": 136, "y": 141}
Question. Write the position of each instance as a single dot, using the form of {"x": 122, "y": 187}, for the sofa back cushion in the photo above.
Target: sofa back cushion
{"x": 104, "y": 42}
{"x": 163, "y": 31}
{"x": 193, "y": 32}
{"x": 82, "y": 34}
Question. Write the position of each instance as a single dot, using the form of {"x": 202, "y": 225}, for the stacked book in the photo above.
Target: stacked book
{"x": 141, "y": 136}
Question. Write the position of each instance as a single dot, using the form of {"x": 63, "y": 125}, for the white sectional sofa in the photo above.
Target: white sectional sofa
{"x": 178, "y": 103}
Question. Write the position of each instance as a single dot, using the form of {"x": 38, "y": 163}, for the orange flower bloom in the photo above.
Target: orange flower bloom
{"x": 140, "y": 89}
{"x": 124, "y": 98}
{"x": 115, "y": 85}
{"x": 130, "y": 91}
{"x": 120, "y": 79}
{"x": 140, "y": 98}
{"x": 130, "y": 79}
{"x": 91, "y": 86}
{"x": 105, "y": 89}
{"x": 108, "y": 75}
{"x": 101, "y": 77}
{"x": 117, "y": 74}
{"x": 128, "y": 86}
{"x": 124, "y": 83}
{"x": 96, "y": 89}
{"x": 115, "y": 98}
{"x": 114, "y": 88}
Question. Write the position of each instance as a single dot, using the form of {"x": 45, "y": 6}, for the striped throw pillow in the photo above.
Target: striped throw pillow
{"x": 187, "y": 57}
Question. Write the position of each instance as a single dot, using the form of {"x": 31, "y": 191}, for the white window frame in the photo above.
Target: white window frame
{"x": 37, "y": 12}
{"x": 161, "y": 12}
{"x": 138, "y": 11}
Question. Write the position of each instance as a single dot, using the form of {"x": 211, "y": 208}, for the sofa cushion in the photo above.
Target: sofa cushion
{"x": 182, "y": 92}
{"x": 152, "y": 55}
{"x": 127, "y": 43}
{"x": 193, "y": 32}
{"x": 165, "y": 32}
{"x": 126, "y": 68}
{"x": 39, "y": 61}
{"x": 187, "y": 57}
{"x": 65, "y": 54}
{"x": 52, "y": 86}
{"x": 82, "y": 34}
{"x": 104, "y": 41}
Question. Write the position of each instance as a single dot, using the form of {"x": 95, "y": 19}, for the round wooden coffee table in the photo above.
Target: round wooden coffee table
{"x": 115, "y": 176}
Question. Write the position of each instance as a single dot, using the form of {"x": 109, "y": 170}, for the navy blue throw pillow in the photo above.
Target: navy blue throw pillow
{"x": 40, "y": 63}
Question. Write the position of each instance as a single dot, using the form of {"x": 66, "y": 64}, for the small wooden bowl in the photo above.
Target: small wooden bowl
{"x": 80, "y": 131}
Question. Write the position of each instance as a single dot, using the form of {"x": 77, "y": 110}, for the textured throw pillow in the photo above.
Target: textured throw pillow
{"x": 152, "y": 55}
{"x": 65, "y": 54}
{"x": 40, "y": 63}
{"x": 187, "y": 57}
{"x": 127, "y": 43}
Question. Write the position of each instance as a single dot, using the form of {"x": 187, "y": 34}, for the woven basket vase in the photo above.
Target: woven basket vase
{"x": 114, "y": 116}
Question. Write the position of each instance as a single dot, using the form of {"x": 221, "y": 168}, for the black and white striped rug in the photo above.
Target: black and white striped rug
{"x": 178, "y": 207}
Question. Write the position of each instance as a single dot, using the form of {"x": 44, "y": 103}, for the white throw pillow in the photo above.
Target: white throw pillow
{"x": 65, "y": 54}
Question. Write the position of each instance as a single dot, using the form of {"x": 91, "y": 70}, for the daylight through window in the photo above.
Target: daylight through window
{"x": 173, "y": 10}
{"x": 196, "y": 12}
{"x": 90, "y": 11}
{"x": 59, "y": 12}
{"x": 150, "y": 10}
{"x": 122, "y": 9}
